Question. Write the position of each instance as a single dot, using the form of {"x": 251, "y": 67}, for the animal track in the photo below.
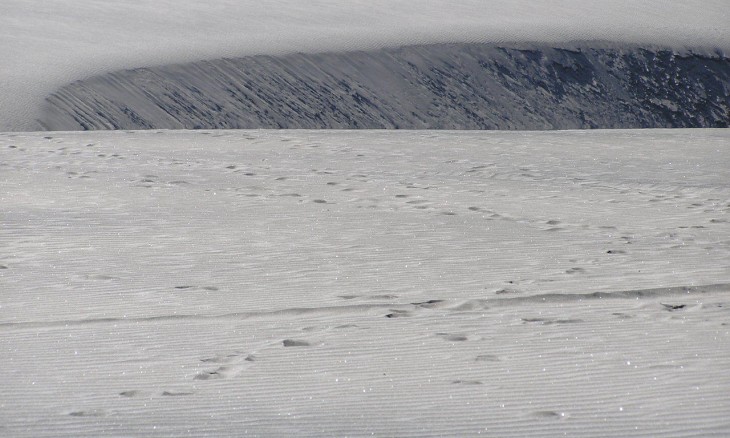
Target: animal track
{"x": 91, "y": 413}
{"x": 466, "y": 382}
{"x": 673, "y": 307}
{"x": 232, "y": 366}
{"x": 428, "y": 304}
{"x": 471, "y": 305}
{"x": 208, "y": 288}
{"x": 550, "y": 321}
{"x": 399, "y": 314}
{"x": 457, "y": 337}
{"x": 575, "y": 271}
{"x": 348, "y": 297}
{"x": 487, "y": 358}
{"x": 507, "y": 291}
{"x": 295, "y": 343}
{"x": 549, "y": 414}
{"x": 175, "y": 393}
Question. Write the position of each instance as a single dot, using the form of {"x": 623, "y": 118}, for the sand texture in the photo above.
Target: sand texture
{"x": 311, "y": 283}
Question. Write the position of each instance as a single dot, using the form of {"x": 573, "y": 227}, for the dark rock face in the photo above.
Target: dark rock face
{"x": 452, "y": 86}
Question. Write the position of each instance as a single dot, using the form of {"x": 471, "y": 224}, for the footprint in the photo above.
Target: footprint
{"x": 428, "y": 304}
{"x": 550, "y": 321}
{"x": 231, "y": 367}
{"x": 382, "y": 297}
{"x": 507, "y": 291}
{"x": 101, "y": 277}
{"x": 176, "y": 393}
{"x": 549, "y": 414}
{"x": 471, "y": 305}
{"x": 457, "y": 337}
{"x": 295, "y": 343}
{"x": 348, "y": 297}
{"x": 208, "y": 375}
{"x": 466, "y": 382}
{"x": 222, "y": 359}
{"x": 673, "y": 307}
{"x": 399, "y": 314}
{"x": 91, "y": 413}
{"x": 131, "y": 393}
{"x": 223, "y": 372}
{"x": 575, "y": 270}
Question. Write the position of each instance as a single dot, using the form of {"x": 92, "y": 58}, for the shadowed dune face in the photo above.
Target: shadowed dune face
{"x": 457, "y": 86}
{"x": 45, "y": 45}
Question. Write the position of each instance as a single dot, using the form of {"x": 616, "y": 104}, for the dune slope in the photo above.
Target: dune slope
{"x": 46, "y": 45}
{"x": 454, "y": 86}
{"x": 317, "y": 283}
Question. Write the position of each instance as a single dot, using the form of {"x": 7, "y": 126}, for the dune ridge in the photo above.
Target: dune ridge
{"x": 453, "y": 86}
{"x": 46, "y": 45}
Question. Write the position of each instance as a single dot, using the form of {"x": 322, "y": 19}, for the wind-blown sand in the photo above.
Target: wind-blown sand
{"x": 45, "y": 45}
{"x": 315, "y": 283}
{"x": 451, "y": 86}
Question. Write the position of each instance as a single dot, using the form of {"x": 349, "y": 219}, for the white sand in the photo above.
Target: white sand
{"x": 316, "y": 283}
{"x": 47, "y": 44}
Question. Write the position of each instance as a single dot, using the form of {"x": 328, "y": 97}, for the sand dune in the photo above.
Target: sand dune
{"x": 45, "y": 45}
{"x": 449, "y": 86}
{"x": 313, "y": 283}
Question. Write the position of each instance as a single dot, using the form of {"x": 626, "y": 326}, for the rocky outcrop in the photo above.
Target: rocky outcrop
{"x": 451, "y": 86}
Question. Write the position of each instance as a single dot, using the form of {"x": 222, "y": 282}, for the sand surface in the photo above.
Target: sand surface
{"x": 339, "y": 283}
{"x": 47, "y": 44}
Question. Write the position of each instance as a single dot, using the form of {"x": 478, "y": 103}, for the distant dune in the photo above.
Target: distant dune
{"x": 47, "y": 45}
{"x": 450, "y": 86}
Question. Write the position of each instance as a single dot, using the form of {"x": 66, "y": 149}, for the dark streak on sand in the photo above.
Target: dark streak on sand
{"x": 396, "y": 310}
